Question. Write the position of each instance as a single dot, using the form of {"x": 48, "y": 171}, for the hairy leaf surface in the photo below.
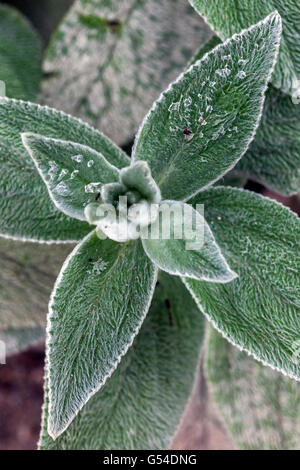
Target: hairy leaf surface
{"x": 108, "y": 61}
{"x": 260, "y": 310}
{"x": 99, "y": 303}
{"x": 227, "y": 17}
{"x": 204, "y": 122}
{"x": 187, "y": 247}
{"x": 273, "y": 157}
{"x": 26, "y": 211}
{"x": 140, "y": 406}
{"x": 260, "y": 406}
{"x": 20, "y": 55}
{"x": 73, "y": 173}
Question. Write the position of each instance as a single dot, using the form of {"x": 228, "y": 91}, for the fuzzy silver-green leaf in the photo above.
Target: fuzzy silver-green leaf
{"x": 204, "y": 122}
{"x": 227, "y": 17}
{"x": 99, "y": 303}
{"x": 260, "y": 310}
{"x": 273, "y": 157}
{"x": 73, "y": 173}
{"x": 260, "y": 406}
{"x": 141, "y": 405}
{"x": 188, "y": 248}
{"x": 26, "y": 211}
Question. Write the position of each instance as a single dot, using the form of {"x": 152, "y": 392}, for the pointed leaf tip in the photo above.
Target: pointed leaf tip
{"x": 193, "y": 135}
{"x": 98, "y": 305}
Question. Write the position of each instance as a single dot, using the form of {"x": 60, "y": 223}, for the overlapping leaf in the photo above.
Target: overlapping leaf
{"x": 108, "y": 61}
{"x": 202, "y": 125}
{"x": 227, "y": 17}
{"x": 100, "y": 300}
{"x": 260, "y": 310}
{"x": 140, "y": 406}
{"x": 260, "y": 406}
{"x": 26, "y": 211}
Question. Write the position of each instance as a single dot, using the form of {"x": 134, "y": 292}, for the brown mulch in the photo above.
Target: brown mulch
{"x": 21, "y": 396}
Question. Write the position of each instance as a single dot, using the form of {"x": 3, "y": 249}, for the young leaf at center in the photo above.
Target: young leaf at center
{"x": 100, "y": 300}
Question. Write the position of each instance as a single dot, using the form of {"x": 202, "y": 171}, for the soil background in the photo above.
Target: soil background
{"x": 21, "y": 397}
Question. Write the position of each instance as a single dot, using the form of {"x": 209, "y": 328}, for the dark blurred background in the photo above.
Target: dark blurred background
{"x": 43, "y": 14}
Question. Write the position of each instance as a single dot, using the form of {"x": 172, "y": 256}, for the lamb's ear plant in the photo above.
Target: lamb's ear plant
{"x": 27, "y": 271}
{"x": 120, "y": 360}
{"x": 20, "y": 55}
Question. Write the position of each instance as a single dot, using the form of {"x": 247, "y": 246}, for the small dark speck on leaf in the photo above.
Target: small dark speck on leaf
{"x": 113, "y": 22}
{"x": 114, "y": 25}
{"x": 97, "y": 197}
{"x": 187, "y": 131}
{"x": 90, "y": 260}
